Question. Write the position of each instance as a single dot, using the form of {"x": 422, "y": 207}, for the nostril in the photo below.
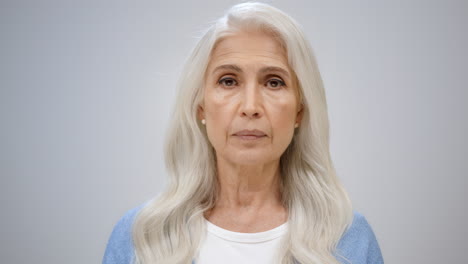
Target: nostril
{"x": 256, "y": 114}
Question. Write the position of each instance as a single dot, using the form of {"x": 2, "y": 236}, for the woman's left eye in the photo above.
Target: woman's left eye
{"x": 276, "y": 83}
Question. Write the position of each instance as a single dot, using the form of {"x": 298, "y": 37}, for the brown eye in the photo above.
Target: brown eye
{"x": 276, "y": 83}
{"x": 227, "y": 82}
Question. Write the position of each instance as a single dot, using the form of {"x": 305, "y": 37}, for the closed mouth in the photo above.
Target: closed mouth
{"x": 250, "y": 133}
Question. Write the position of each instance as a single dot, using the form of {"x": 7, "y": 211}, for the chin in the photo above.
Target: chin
{"x": 249, "y": 157}
{"x": 249, "y": 161}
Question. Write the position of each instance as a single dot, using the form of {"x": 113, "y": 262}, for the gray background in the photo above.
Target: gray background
{"x": 87, "y": 88}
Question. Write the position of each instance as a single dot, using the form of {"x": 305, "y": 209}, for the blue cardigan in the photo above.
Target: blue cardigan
{"x": 359, "y": 244}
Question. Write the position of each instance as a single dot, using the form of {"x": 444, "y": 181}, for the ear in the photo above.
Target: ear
{"x": 200, "y": 112}
{"x": 300, "y": 114}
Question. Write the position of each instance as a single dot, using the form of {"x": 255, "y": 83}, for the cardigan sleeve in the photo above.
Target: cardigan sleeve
{"x": 358, "y": 244}
{"x": 119, "y": 249}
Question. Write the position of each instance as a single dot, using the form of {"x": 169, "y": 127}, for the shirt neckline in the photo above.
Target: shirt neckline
{"x": 246, "y": 237}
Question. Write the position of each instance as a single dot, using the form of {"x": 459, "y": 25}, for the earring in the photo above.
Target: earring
{"x": 296, "y": 125}
{"x": 203, "y": 121}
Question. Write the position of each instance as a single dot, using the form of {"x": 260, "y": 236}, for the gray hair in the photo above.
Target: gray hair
{"x": 170, "y": 228}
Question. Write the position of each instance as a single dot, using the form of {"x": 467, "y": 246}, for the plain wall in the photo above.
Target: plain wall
{"x": 87, "y": 88}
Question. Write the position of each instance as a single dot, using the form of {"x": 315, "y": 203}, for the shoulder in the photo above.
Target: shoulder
{"x": 359, "y": 245}
{"x": 119, "y": 249}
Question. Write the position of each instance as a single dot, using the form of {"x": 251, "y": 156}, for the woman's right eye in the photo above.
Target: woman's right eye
{"x": 228, "y": 82}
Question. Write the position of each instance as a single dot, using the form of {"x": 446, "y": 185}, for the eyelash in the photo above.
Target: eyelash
{"x": 281, "y": 82}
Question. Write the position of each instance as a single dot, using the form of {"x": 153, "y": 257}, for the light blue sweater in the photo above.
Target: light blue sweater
{"x": 359, "y": 244}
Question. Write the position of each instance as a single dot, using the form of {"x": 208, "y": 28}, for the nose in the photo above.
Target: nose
{"x": 251, "y": 106}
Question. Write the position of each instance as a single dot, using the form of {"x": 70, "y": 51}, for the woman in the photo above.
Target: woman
{"x": 248, "y": 156}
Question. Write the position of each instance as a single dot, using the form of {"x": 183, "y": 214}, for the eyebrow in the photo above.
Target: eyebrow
{"x": 262, "y": 70}
{"x": 228, "y": 67}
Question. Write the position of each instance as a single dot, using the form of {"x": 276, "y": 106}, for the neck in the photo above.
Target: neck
{"x": 249, "y": 198}
{"x": 248, "y": 186}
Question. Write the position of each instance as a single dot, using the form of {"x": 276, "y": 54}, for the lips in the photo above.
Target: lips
{"x": 252, "y": 133}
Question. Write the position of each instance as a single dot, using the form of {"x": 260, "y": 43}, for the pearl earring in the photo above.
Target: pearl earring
{"x": 203, "y": 121}
{"x": 296, "y": 125}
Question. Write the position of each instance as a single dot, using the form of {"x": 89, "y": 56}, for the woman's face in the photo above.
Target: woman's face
{"x": 250, "y": 99}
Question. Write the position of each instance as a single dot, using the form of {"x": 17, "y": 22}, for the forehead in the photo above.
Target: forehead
{"x": 245, "y": 47}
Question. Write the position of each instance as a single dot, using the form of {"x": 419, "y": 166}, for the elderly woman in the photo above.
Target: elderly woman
{"x": 248, "y": 156}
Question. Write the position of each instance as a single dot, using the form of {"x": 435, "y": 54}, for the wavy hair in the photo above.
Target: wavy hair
{"x": 170, "y": 228}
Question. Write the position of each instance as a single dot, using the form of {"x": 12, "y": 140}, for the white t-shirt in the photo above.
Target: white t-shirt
{"x": 228, "y": 247}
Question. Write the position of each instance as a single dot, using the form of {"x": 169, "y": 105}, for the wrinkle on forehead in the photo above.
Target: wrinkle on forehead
{"x": 271, "y": 50}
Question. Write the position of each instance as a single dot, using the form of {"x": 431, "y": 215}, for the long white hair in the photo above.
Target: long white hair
{"x": 170, "y": 228}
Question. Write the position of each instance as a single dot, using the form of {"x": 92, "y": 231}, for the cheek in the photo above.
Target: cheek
{"x": 283, "y": 117}
{"x": 217, "y": 108}
{"x": 218, "y": 115}
{"x": 283, "y": 109}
